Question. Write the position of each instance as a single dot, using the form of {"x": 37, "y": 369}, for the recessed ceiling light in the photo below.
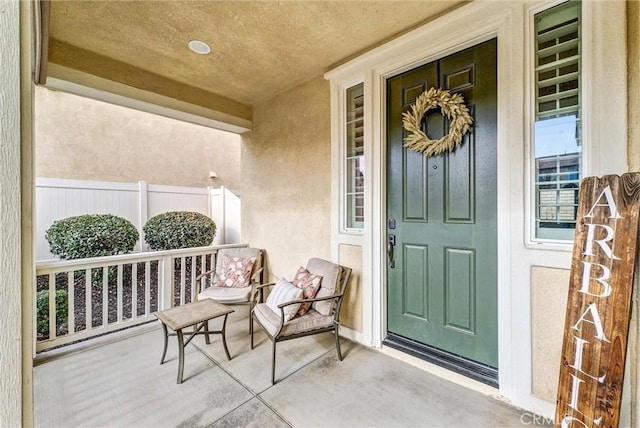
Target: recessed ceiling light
{"x": 199, "y": 47}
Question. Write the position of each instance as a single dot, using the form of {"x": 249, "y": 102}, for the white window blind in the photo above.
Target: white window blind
{"x": 354, "y": 186}
{"x": 557, "y": 139}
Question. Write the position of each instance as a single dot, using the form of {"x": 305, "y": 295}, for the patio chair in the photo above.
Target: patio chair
{"x": 232, "y": 281}
{"x": 323, "y": 315}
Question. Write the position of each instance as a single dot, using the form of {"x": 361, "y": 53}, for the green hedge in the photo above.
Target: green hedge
{"x": 91, "y": 235}
{"x": 42, "y": 306}
{"x": 179, "y": 229}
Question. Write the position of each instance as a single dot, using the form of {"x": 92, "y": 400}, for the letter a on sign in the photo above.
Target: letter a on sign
{"x": 599, "y": 304}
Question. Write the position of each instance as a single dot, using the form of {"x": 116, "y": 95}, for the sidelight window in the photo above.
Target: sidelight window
{"x": 557, "y": 140}
{"x": 354, "y": 188}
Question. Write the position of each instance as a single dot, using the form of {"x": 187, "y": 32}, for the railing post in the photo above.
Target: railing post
{"x": 148, "y": 284}
{"x": 142, "y": 212}
{"x": 166, "y": 283}
{"x": 210, "y": 201}
{"x": 223, "y": 227}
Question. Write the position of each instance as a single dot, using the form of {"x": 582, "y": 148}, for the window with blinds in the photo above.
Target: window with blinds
{"x": 557, "y": 127}
{"x": 354, "y": 188}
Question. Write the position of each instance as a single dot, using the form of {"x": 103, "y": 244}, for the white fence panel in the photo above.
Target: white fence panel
{"x": 137, "y": 202}
{"x": 217, "y": 213}
{"x": 232, "y": 218}
{"x": 225, "y": 211}
{"x": 60, "y": 198}
{"x": 161, "y": 199}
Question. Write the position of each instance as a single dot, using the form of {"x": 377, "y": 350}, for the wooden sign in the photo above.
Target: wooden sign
{"x": 599, "y": 304}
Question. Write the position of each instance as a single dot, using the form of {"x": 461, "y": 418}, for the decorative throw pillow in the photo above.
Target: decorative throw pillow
{"x": 284, "y": 292}
{"x": 310, "y": 284}
{"x": 236, "y": 272}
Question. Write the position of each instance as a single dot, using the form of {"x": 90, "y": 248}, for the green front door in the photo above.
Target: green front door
{"x": 441, "y": 211}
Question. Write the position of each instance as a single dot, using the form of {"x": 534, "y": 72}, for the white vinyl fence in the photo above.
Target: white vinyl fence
{"x": 58, "y": 198}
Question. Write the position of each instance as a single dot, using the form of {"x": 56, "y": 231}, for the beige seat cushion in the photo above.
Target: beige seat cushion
{"x": 226, "y": 294}
{"x": 329, "y": 273}
{"x": 271, "y": 321}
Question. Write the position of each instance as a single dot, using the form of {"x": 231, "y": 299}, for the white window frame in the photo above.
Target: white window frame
{"x": 596, "y": 160}
{"x": 345, "y": 214}
{"x": 563, "y": 244}
{"x": 339, "y": 160}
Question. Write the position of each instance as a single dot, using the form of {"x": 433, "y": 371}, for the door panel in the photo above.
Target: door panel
{"x": 415, "y": 189}
{"x": 460, "y": 183}
{"x": 442, "y": 291}
{"x": 416, "y": 299}
{"x": 460, "y": 274}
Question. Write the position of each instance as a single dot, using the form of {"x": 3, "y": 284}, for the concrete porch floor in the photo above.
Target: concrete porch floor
{"x": 122, "y": 384}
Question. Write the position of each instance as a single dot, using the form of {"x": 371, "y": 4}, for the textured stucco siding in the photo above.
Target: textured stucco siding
{"x": 286, "y": 181}
{"x": 10, "y": 228}
{"x": 351, "y": 313}
{"x": 81, "y": 138}
{"x": 286, "y": 178}
{"x": 633, "y": 105}
{"x": 549, "y": 291}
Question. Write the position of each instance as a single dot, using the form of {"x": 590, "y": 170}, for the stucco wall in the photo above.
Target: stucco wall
{"x": 81, "y": 138}
{"x": 286, "y": 182}
{"x": 549, "y": 291}
{"x": 286, "y": 178}
{"x": 10, "y": 223}
{"x": 633, "y": 105}
{"x": 633, "y": 70}
{"x": 351, "y": 314}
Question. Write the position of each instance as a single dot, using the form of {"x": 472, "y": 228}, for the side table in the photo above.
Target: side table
{"x": 192, "y": 314}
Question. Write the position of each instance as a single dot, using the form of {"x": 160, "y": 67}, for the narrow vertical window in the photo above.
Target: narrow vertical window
{"x": 354, "y": 189}
{"x": 557, "y": 127}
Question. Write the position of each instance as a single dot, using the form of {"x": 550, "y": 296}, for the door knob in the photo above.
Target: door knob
{"x": 391, "y": 242}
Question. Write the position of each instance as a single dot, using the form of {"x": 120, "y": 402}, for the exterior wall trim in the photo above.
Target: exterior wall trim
{"x": 145, "y": 101}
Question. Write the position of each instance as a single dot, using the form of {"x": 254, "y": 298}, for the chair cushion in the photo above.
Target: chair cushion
{"x": 312, "y": 320}
{"x": 236, "y": 271}
{"x": 244, "y": 252}
{"x": 226, "y": 295}
{"x": 329, "y": 273}
{"x": 310, "y": 284}
{"x": 284, "y": 292}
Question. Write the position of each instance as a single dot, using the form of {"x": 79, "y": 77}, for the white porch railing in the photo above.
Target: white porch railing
{"x": 105, "y": 294}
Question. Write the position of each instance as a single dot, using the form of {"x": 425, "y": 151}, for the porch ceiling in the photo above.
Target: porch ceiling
{"x": 259, "y": 48}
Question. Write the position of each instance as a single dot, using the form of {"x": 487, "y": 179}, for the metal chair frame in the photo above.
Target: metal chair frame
{"x": 343, "y": 281}
{"x": 256, "y": 281}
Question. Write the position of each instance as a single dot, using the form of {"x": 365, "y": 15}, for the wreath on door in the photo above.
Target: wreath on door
{"x": 452, "y": 106}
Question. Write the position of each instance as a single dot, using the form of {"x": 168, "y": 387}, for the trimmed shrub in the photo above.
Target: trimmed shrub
{"x": 91, "y": 235}
{"x": 42, "y": 306}
{"x": 179, "y": 229}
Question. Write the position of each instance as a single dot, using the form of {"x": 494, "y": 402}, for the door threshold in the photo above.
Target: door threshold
{"x": 468, "y": 368}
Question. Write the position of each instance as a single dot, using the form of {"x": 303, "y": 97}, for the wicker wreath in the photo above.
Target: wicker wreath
{"x": 452, "y": 106}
